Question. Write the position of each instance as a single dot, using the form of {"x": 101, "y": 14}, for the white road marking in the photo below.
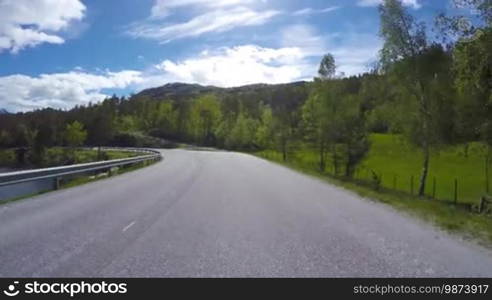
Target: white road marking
{"x": 128, "y": 226}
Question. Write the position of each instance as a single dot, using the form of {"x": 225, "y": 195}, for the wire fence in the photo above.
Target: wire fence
{"x": 409, "y": 184}
{"x": 457, "y": 190}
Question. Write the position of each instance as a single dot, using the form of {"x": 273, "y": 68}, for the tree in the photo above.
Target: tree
{"x": 405, "y": 55}
{"x": 204, "y": 118}
{"x": 100, "y": 131}
{"x": 264, "y": 133}
{"x": 75, "y": 134}
{"x": 317, "y": 111}
{"x": 327, "y": 68}
{"x": 354, "y": 135}
{"x": 457, "y": 29}
{"x": 316, "y": 126}
{"x": 242, "y": 134}
{"x": 473, "y": 79}
{"x": 125, "y": 123}
{"x": 286, "y": 121}
{"x": 5, "y": 138}
{"x": 166, "y": 119}
{"x": 43, "y": 139}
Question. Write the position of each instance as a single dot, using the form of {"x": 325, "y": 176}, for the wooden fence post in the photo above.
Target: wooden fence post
{"x": 482, "y": 204}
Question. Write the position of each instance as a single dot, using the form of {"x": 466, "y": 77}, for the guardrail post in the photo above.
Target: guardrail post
{"x": 56, "y": 183}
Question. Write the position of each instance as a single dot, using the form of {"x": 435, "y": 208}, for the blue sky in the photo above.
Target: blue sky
{"x": 68, "y": 52}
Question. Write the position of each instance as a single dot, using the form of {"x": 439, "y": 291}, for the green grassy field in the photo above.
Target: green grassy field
{"x": 391, "y": 158}
{"x": 396, "y": 162}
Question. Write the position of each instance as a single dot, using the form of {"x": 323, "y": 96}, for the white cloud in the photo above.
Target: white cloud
{"x": 310, "y": 11}
{"x": 297, "y": 58}
{"x": 27, "y": 23}
{"x": 412, "y": 3}
{"x": 233, "y": 66}
{"x": 212, "y": 16}
{"x": 163, "y": 8}
{"x": 61, "y": 90}
{"x": 214, "y": 21}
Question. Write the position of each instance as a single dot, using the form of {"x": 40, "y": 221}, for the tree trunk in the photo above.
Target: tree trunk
{"x": 335, "y": 159}
{"x": 322, "y": 161}
{"x": 284, "y": 150}
{"x": 424, "y": 110}
{"x": 467, "y": 147}
{"x": 425, "y": 170}
{"x": 349, "y": 167}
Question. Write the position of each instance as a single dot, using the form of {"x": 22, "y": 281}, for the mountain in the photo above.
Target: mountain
{"x": 3, "y": 111}
{"x": 183, "y": 91}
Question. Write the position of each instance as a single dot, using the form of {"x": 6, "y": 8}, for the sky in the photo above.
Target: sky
{"x": 62, "y": 53}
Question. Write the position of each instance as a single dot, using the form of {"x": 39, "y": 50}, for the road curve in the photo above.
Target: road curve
{"x": 222, "y": 214}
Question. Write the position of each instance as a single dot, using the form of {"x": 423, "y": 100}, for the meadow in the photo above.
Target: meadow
{"x": 396, "y": 162}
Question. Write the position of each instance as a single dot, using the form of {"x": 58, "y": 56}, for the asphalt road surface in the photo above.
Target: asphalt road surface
{"x": 222, "y": 214}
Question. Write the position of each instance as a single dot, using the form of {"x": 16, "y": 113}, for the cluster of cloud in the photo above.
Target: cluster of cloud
{"x": 61, "y": 90}
{"x": 27, "y": 23}
{"x": 410, "y": 3}
{"x": 219, "y": 20}
{"x": 212, "y": 16}
{"x": 295, "y": 58}
{"x": 164, "y": 8}
{"x": 233, "y": 66}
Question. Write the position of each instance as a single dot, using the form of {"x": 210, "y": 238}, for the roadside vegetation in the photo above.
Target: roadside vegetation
{"x": 58, "y": 156}
{"x": 395, "y": 162}
{"x": 416, "y": 127}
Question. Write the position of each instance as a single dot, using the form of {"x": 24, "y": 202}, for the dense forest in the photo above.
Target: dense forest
{"x": 434, "y": 91}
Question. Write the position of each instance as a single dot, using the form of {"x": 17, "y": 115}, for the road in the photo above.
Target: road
{"x": 222, "y": 214}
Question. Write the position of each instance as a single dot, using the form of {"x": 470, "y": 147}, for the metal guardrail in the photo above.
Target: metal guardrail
{"x": 57, "y": 173}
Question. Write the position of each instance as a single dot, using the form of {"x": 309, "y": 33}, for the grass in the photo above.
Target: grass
{"x": 389, "y": 156}
{"x": 397, "y": 162}
{"x": 392, "y": 158}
